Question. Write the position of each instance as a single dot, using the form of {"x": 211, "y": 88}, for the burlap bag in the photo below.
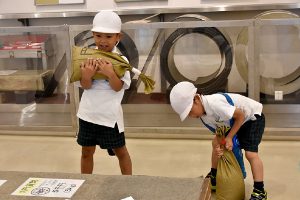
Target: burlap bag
{"x": 230, "y": 180}
{"x": 80, "y": 54}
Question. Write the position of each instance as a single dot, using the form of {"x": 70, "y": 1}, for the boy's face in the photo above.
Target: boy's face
{"x": 197, "y": 108}
{"x": 106, "y": 41}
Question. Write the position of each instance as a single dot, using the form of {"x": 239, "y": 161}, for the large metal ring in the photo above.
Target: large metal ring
{"x": 288, "y": 84}
{"x": 209, "y": 84}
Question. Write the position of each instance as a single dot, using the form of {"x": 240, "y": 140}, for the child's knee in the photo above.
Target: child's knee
{"x": 87, "y": 151}
{"x": 121, "y": 152}
{"x": 251, "y": 155}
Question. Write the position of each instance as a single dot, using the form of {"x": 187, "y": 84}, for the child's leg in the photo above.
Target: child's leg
{"x": 214, "y": 163}
{"x": 87, "y": 160}
{"x": 258, "y": 176}
{"x": 124, "y": 160}
{"x": 256, "y": 166}
{"x": 214, "y": 155}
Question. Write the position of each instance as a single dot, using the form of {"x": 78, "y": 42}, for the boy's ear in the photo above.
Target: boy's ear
{"x": 120, "y": 35}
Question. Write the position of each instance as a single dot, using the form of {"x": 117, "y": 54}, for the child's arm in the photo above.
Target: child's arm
{"x": 106, "y": 68}
{"x": 88, "y": 70}
{"x": 239, "y": 118}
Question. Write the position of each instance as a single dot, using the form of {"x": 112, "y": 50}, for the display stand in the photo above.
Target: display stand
{"x": 115, "y": 187}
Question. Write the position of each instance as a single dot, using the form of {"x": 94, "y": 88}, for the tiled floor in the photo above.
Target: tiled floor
{"x": 155, "y": 157}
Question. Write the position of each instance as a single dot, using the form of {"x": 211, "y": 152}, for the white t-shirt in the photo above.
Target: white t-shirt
{"x": 102, "y": 105}
{"x": 219, "y": 111}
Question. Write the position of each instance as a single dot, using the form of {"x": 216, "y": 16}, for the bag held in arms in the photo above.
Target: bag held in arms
{"x": 80, "y": 54}
{"x": 230, "y": 180}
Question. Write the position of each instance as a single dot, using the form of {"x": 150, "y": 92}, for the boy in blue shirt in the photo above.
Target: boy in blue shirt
{"x": 215, "y": 111}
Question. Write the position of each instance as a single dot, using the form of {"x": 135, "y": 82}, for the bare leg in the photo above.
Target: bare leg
{"x": 87, "y": 159}
{"x": 256, "y": 166}
{"x": 124, "y": 160}
{"x": 214, "y": 157}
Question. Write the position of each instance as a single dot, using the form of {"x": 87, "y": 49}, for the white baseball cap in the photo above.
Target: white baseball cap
{"x": 182, "y": 98}
{"x": 107, "y": 21}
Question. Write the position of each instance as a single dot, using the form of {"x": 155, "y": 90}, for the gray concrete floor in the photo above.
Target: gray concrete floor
{"x": 154, "y": 157}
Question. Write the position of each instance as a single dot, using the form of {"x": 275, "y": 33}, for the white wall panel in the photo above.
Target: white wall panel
{"x": 28, "y": 6}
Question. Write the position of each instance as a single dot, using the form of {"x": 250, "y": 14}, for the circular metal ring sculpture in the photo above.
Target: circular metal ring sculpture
{"x": 209, "y": 84}
{"x": 288, "y": 84}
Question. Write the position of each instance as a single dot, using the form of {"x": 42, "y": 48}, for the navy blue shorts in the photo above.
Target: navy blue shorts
{"x": 93, "y": 134}
{"x": 250, "y": 133}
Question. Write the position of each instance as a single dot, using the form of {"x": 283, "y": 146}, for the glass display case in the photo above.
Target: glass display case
{"x": 255, "y": 57}
{"x": 278, "y": 51}
{"x": 34, "y": 89}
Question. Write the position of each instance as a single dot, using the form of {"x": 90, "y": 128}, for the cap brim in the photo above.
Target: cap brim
{"x": 188, "y": 109}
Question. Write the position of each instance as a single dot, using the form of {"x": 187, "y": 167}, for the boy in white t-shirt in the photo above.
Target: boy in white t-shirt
{"x": 215, "y": 111}
{"x": 100, "y": 112}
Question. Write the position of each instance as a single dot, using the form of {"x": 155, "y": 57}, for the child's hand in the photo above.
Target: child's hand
{"x": 105, "y": 67}
{"x": 88, "y": 69}
{"x": 219, "y": 151}
{"x": 228, "y": 144}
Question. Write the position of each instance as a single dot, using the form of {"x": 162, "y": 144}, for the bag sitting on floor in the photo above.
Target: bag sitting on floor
{"x": 80, "y": 54}
{"x": 230, "y": 180}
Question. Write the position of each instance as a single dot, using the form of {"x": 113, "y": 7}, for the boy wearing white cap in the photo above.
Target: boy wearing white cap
{"x": 100, "y": 113}
{"x": 216, "y": 111}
